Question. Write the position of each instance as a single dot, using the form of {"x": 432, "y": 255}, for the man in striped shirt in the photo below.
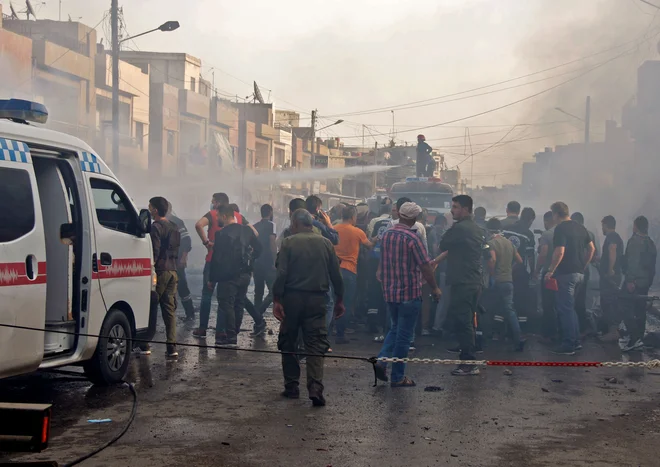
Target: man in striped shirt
{"x": 404, "y": 261}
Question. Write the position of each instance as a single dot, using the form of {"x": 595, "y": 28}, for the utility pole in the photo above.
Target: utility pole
{"x": 362, "y": 136}
{"x": 375, "y": 186}
{"x": 114, "y": 20}
{"x": 313, "y": 158}
{"x": 587, "y": 120}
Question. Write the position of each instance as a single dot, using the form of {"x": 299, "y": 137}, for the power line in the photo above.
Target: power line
{"x": 379, "y": 109}
{"x": 651, "y": 4}
{"x": 518, "y": 101}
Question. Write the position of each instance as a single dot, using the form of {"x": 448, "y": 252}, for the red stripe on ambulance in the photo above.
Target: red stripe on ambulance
{"x": 14, "y": 274}
{"x": 124, "y": 267}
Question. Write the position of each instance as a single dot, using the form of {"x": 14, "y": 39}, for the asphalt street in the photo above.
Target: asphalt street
{"x": 222, "y": 408}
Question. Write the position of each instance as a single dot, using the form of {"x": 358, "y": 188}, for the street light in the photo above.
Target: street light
{"x": 332, "y": 124}
{"x": 114, "y": 18}
{"x": 314, "y": 130}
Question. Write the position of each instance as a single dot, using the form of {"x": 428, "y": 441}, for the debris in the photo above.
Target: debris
{"x": 225, "y": 443}
{"x": 632, "y": 390}
{"x": 612, "y": 380}
{"x": 508, "y": 372}
{"x": 545, "y": 390}
{"x": 557, "y": 380}
{"x": 321, "y": 449}
{"x": 270, "y": 332}
{"x": 289, "y": 426}
{"x": 102, "y": 420}
{"x": 412, "y": 442}
{"x": 454, "y": 455}
{"x": 433, "y": 389}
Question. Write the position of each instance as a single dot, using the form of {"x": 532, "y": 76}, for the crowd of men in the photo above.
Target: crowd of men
{"x": 401, "y": 276}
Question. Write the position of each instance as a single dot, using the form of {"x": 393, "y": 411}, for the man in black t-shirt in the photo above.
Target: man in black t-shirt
{"x": 610, "y": 271}
{"x": 264, "y": 266}
{"x": 573, "y": 251}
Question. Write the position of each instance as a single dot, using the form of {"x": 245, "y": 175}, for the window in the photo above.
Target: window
{"x": 170, "y": 143}
{"x": 113, "y": 209}
{"x": 192, "y": 84}
{"x": 139, "y": 135}
{"x": 16, "y": 204}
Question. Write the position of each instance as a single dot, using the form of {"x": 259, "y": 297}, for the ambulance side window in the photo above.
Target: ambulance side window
{"x": 16, "y": 204}
{"x": 113, "y": 209}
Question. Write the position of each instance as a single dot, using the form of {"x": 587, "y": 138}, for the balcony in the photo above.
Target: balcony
{"x": 194, "y": 104}
{"x": 223, "y": 114}
{"x": 50, "y": 55}
{"x": 267, "y": 132}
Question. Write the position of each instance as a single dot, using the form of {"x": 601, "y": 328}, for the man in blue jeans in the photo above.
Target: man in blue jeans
{"x": 500, "y": 267}
{"x": 573, "y": 251}
{"x": 404, "y": 261}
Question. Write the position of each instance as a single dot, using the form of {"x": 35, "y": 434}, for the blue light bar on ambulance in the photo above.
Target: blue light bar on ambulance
{"x": 23, "y": 111}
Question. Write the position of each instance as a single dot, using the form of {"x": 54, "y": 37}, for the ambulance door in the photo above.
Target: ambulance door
{"x": 123, "y": 253}
{"x": 22, "y": 262}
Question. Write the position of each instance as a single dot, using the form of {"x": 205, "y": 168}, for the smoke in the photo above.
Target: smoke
{"x": 608, "y": 40}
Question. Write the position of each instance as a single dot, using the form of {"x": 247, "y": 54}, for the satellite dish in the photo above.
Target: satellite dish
{"x": 30, "y": 10}
{"x": 13, "y": 15}
{"x": 257, "y": 94}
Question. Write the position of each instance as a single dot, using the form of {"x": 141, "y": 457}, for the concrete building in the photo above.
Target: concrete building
{"x": 16, "y": 61}
{"x": 63, "y": 71}
{"x": 261, "y": 117}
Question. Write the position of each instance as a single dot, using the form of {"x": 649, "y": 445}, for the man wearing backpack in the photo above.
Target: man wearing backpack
{"x": 165, "y": 241}
{"x": 234, "y": 248}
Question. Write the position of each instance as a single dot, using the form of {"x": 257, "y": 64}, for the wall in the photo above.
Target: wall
{"x": 15, "y": 55}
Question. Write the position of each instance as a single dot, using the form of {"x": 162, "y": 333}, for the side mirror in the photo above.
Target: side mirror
{"x": 67, "y": 234}
{"x": 144, "y": 223}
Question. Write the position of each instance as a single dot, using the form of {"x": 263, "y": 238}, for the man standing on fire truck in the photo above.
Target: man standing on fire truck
{"x": 425, "y": 163}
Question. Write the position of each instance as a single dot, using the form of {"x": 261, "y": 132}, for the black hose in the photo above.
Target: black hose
{"x": 117, "y": 436}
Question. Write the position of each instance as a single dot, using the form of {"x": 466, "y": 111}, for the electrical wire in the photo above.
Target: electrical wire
{"x": 115, "y": 438}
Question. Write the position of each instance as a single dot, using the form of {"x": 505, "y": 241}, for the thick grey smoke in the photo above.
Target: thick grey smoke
{"x": 603, "y": 179}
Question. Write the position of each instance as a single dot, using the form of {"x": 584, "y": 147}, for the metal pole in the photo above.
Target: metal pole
{"x": 114, "y": 20}
{"x": 313, "y": 158}
{"x": 375, "y": 163}
{"x": 587, "y": 120}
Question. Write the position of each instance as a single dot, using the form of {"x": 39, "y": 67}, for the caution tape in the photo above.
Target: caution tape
{"x": 439, "y": 361}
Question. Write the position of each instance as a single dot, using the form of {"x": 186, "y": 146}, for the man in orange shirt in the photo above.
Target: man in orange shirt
{"x": 348, "y": 249}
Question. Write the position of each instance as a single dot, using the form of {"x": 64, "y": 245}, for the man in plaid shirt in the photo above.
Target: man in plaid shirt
{"x": 404, "y": 261}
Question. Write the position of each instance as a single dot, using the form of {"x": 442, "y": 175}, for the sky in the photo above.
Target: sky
{"x": 347, "y": 56}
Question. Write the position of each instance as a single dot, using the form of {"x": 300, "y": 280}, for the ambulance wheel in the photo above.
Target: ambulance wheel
{"x": 111, "y": 358}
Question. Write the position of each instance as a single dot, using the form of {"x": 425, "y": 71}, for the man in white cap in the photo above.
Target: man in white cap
{"x": 404, "y": 260}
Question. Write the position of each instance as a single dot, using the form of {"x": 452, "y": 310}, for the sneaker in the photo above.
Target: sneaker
{"x": 223, "y": 341}
{"x": 171, "y": 351}
{"x": 188, "y": 319}
{"x": 563, "y": 350}
{"x": 200, "y": 333}
{"x": 426, "y": 332}
{"x": 412, "y": 347}
{"x": 637, "y": 345}
{"x": 379, "y": 339}
{"x": 456, "y": 349}
{"x": 466, "y": 370}
{"x": 144, "y": 350}
{"x": 291, "y": 392}
{"x": 578, "y": 345}
{"x": 259, "y": 330}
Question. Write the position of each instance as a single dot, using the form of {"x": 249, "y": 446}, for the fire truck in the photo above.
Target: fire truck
{"x": 430, "y": 193}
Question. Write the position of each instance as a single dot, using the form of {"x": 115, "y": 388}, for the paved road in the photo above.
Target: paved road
{"x": 217, "y": 407}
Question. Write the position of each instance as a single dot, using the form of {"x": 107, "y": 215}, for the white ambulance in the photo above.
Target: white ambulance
{"x": 75, "y": 254}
